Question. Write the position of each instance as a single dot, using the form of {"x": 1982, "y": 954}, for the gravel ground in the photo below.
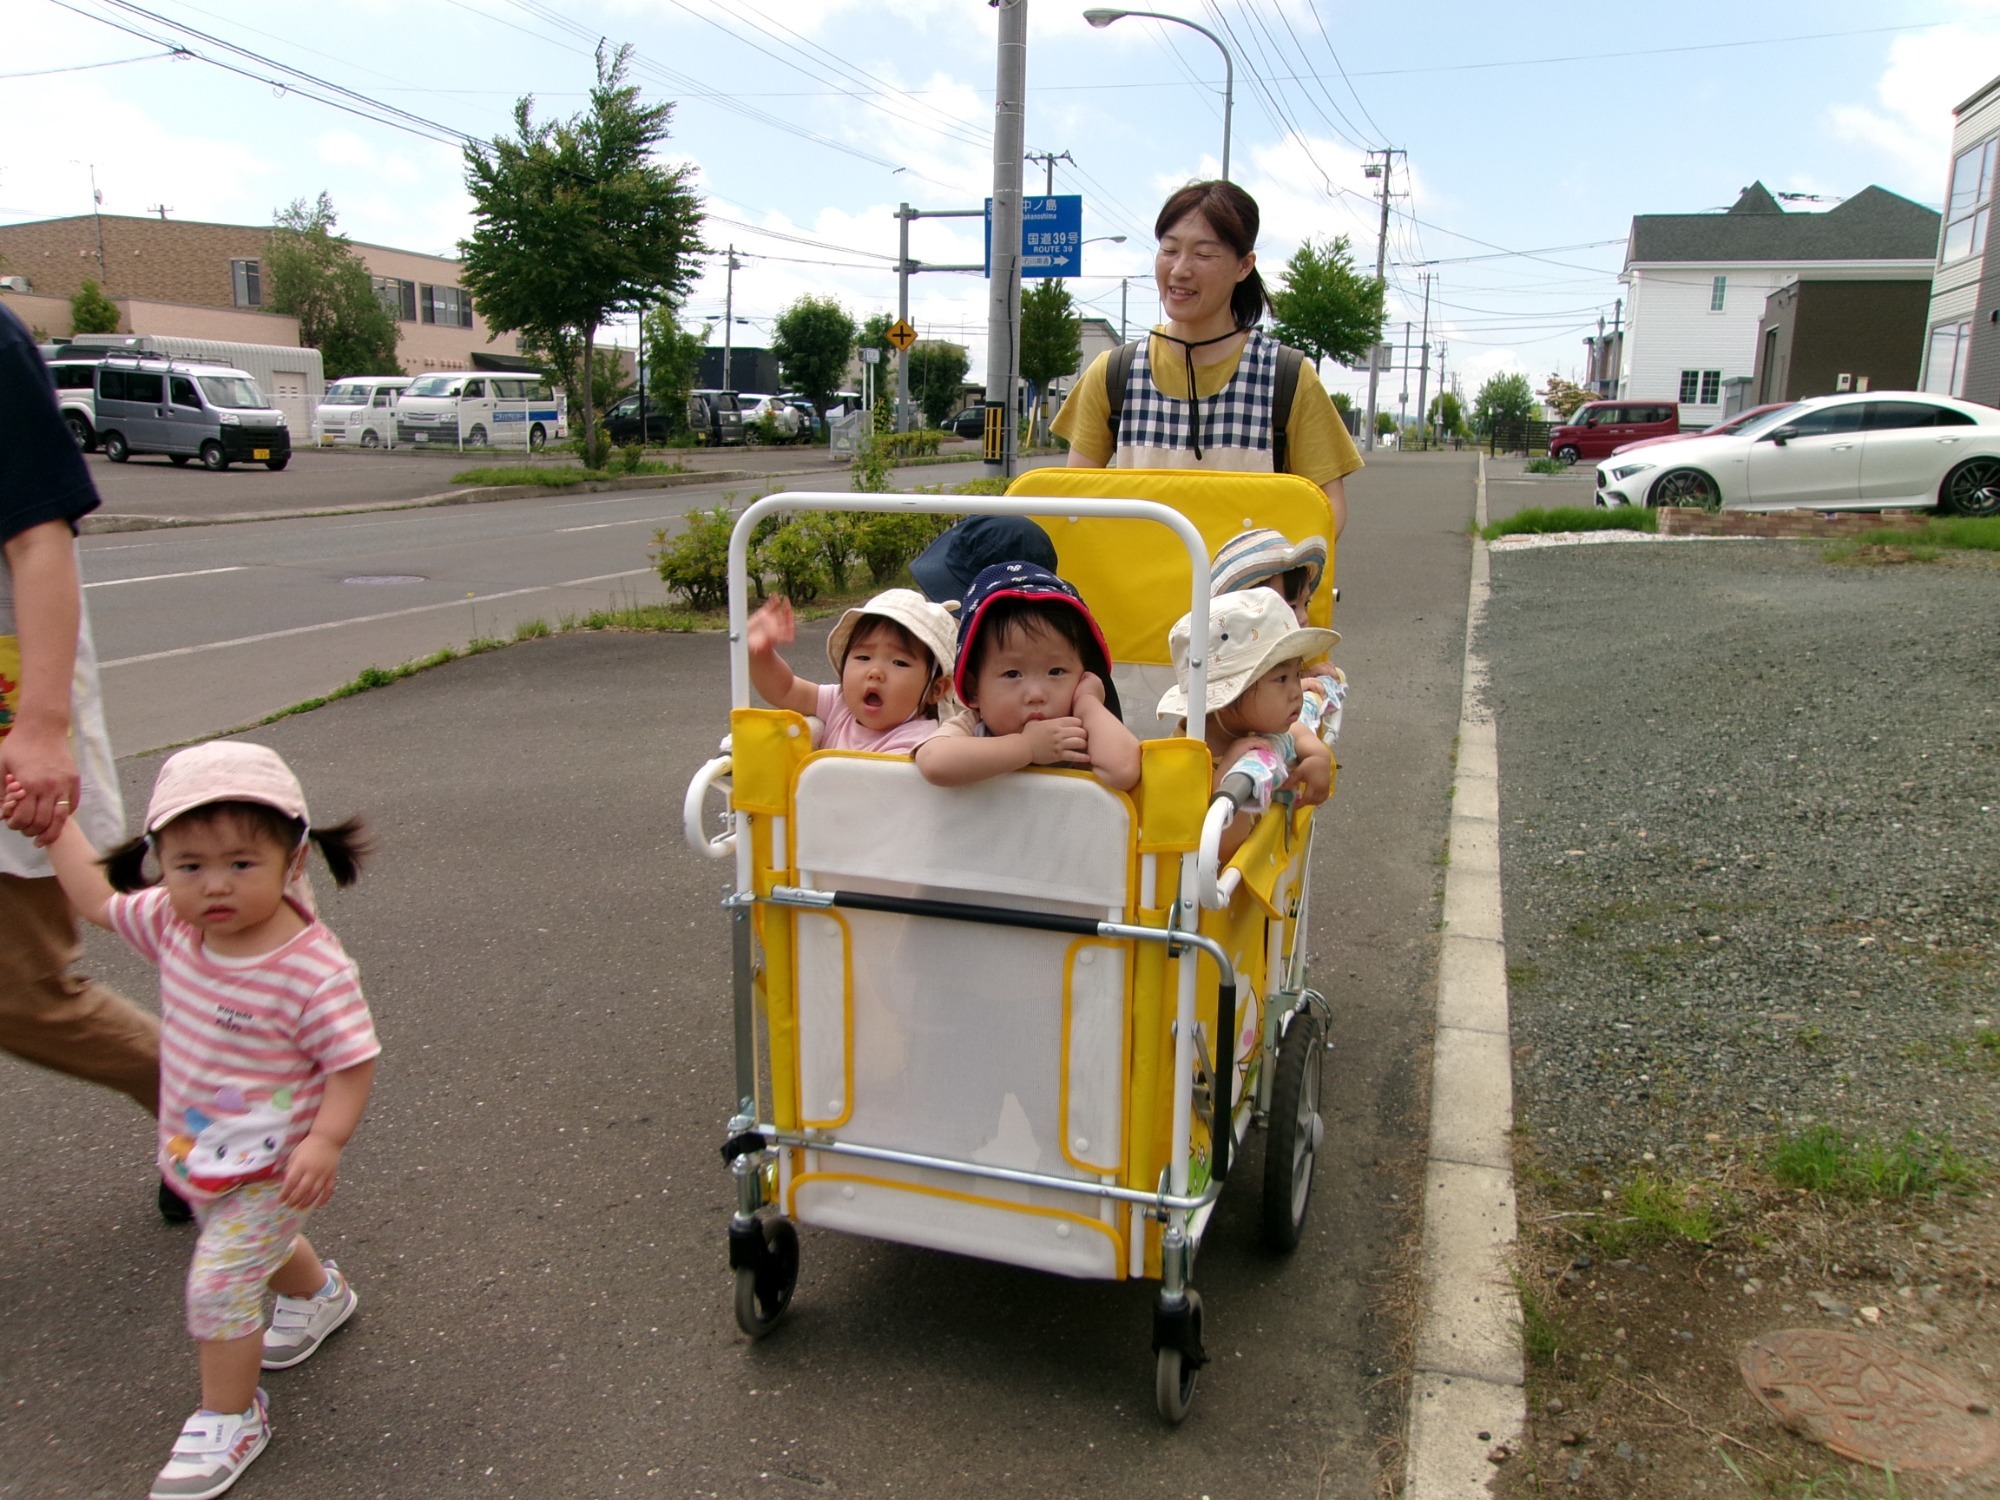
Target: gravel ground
{"x": 1750, "y": 808}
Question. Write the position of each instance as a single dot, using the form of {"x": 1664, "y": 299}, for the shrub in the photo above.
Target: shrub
{"x": 871, "y": 466}
{"x": 695, "y": 564}
{"x": 630, "y": 456}
{"x": 889, "y": 539}
{"x": 837, "y": 535}
{"x": 791, "y": 555}
{"x": 599, "y": 456}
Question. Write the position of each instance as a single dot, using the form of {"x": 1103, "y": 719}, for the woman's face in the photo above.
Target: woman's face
{"x": 1197, "y": 272}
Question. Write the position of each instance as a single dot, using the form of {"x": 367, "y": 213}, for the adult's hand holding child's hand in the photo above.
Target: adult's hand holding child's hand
{"x": 43, "y": 786}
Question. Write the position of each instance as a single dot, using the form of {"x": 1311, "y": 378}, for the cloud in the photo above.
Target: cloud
{"x": 1909, "y": 125}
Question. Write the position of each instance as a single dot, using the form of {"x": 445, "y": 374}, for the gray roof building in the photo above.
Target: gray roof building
{"x": 1874, "y": 224}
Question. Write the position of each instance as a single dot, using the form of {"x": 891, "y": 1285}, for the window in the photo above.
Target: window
{"x": 1716, "y": 292}
{"x": 384, "y": 397}
{"x": 184, "y": 392}
{"x": 448, "y": 305}
{"x": 1825, "y": 421}
{"x": 399, "y": 297}
{"x": 475, "y": 390}
{"x": 1965, "y": 211}
{"x": 1883, "y": 416}
{"x": 131, "y": 385}
{"x": 1944, "y": 369}
{"x": 1701, "y": 387}
{"x": 247, "y": 282}
{"x": 75, "y": 377}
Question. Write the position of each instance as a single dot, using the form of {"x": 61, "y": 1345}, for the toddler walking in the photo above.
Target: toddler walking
{"x": 267, "y": 1052}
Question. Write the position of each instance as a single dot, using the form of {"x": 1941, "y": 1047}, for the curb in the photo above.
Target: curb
{"x": 476, "y": 495}
{"x": 1467, "y": 1400}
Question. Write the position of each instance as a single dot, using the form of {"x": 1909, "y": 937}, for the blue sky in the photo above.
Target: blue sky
{"x": 808, "y": 123}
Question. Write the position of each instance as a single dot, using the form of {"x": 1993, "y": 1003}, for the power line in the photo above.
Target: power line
{"x": 116, "y": 62}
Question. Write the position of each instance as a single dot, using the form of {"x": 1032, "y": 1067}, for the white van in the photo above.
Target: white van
{"x": 75, "y": 379}
{"x": 360, "y": 410}
{"x": 479, "y": 409}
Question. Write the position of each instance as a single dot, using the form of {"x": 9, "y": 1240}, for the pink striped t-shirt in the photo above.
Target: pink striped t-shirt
{"x": 245, "y": 1045}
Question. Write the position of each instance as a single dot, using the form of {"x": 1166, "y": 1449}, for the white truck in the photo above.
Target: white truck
{"x": 293, "y": 379}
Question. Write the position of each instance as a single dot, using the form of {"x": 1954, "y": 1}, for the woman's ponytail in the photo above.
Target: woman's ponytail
{"x": 1248, "y": 302}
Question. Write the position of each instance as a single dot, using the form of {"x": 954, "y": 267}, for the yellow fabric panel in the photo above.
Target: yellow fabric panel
{"x": 1320, "y": 448}
{"x": 1174, "y": 776}
{"x": 1264, "y": 856}
{"x": 765, "y": 748}
{"x": 1152, "y": 1051}
{"x": 1134, "y": 574}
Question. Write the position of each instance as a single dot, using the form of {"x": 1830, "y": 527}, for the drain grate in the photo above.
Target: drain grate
{"x": 370, "y": 580}
{"x": 1867, "y": 1400}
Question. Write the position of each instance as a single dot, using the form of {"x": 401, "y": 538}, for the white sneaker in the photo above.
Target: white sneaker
{"x": 300, "y": 1324}
{"x": 212, "y": 1452}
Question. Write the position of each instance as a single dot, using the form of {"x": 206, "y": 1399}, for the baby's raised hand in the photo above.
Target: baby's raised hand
{"x": 771, "y": 627}
{"x": 1056, "y": 742}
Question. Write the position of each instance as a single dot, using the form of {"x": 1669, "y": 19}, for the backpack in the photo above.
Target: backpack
{"x": 1289, "y": 360}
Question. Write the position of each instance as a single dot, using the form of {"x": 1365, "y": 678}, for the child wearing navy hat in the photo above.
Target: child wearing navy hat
{"x": 1035, "y": 676}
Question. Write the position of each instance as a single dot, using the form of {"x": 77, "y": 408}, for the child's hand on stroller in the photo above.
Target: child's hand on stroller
{"x": 771, "y": 627}
{"x": 1312, "y": 777}
{"x": 1056, "y": 742}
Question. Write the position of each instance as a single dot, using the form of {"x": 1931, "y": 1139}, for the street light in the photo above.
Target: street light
{"x": 1103, "y": 18}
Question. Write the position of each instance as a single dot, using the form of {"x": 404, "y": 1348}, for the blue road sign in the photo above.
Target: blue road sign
{"x": 1051, "y": 235}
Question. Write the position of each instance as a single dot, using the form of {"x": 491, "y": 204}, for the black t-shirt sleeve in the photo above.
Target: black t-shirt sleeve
{"x": 42, "y": 476}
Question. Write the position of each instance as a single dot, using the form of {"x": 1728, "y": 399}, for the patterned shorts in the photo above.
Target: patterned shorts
{"x": 246, "y": 1236}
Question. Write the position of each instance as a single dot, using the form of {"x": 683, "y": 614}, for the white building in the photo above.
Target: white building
{"x": 1696, "y": 284}
{"x": 1962, "y": 349}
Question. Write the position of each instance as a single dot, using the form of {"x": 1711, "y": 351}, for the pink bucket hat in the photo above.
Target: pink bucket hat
{"x": 224, "y": 771}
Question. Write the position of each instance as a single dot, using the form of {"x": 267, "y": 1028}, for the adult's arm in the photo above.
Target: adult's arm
{"x": 1085, "y": 419}
{"x": 48, "y": 613}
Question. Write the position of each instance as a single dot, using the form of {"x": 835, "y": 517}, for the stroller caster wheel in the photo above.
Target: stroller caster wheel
{"x": 1178, "y": 1356}
{"x": 765, "y": 1257}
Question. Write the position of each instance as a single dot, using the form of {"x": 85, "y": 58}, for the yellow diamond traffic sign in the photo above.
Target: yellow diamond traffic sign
{"x": 901, "y": 334}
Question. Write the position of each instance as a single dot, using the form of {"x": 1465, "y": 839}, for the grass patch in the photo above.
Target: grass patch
{"x": 559, "y": 476}
{"x": 1822, "y": 1160}
{"x": 1961, "y": 533}
{"x": 1653, "y": 1210}
{"x": 1576, "y": 518}
{"x": 1545, "y": 466}
{"x": 1544, "y": 1338}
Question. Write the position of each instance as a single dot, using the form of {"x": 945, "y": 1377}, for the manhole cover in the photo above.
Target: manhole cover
{"x": 371, "y": 579}
{"x": 1869, "y": 1401}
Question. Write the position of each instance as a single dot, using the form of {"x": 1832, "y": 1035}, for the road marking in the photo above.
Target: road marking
{"x": 392, "y": 614}
{"x": 112, "y": 583}
{"x": 607, "y": 525}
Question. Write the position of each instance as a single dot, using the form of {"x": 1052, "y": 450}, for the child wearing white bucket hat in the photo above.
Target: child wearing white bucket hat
{"x": 1257, "y": 720}
{"x": 892, "y": 656}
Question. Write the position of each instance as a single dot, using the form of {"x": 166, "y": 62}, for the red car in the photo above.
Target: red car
{"x": 1597, "y": 427}
{"x": 1720, "y": 429}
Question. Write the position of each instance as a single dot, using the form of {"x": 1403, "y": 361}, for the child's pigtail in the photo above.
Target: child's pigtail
{"x": 125, "y": 866}
{"x": 344, "y": 846}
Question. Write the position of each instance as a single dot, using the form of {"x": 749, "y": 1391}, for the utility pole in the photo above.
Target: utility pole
{"x": 1049, "y": 160}
{"x": 1124, "y": 288}
{"x": 905, "y": 269}
{"x": 1388, "y": 155}
{"x": 1403, "y": 391}
{"x": 97, "y": 212}
{"x": 729, "y": 316}
{"x": 1424, "y": 373}
{"x": 1618, "y": 342}
{"x": 1003, "y": 314}
{"x": 1442, "y": 388}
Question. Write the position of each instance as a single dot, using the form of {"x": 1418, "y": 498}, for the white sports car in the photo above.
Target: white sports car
{"x": 1871, "y": 450}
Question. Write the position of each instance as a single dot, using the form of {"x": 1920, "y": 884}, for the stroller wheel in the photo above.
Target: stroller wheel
{"x": 1175, "y": 1372}
{"x": 1291, "y": 1148}
{"x": 764, "y": 1289}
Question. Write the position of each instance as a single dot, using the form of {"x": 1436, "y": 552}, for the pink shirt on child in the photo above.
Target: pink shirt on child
{"x": 845, "y": 732}
{"x": 245, "y": 1044}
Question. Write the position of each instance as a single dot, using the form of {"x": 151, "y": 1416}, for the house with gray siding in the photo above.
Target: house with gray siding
{"x": 1962, "y": 343}
{"x": 1697, "y": 284}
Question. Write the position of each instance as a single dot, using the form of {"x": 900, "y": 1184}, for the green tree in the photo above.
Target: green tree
{"x": 673, "y": 363}
{"x": 1385, "y": 423}
{"x": 1504, "y": 401}
{"x": 577, "y": 220}
{"x": 1565, "y": 396}
{"x": 875, "y": 334}
{"x": 1447, "y": 415}
{"x": 814, "y": 340}
{"x": 311, "y": 273}
{"x": 90, "y": 311}
{"x": 937, "y": 371}
{"x": 1051, "y": 338}
{"x": 1342, "y": 402}
{"x": 1326, "y": 307}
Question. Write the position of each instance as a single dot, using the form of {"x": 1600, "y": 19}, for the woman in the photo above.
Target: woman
{"x": 1199, "y": 392}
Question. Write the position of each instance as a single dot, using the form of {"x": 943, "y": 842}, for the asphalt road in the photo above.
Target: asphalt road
{"x": 533, "y": 1213}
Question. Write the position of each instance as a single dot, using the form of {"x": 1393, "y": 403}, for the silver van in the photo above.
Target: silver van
{"x": 187, "y": 410}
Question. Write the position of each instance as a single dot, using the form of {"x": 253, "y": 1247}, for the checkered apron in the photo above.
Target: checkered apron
{"x": 1235, "y": 423}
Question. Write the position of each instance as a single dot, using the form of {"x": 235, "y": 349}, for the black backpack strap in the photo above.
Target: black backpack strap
{"x": 1289, "y": 360}
{"x": 1117, "y": 370}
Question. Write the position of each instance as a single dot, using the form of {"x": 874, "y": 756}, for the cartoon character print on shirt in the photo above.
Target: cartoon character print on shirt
{"x": 237, "y": 1144}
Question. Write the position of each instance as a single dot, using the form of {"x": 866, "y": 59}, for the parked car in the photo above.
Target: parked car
{"x": 783, "y": 418}
{"x": 1871, "y": 450}
{"x": 622, "y": 421}
{"x": 814, "y": 427}
{"x": 1721, "y": 429}
{"x": 714, "y": 418}
{"x": 1596, "y": 428}
{"x": 75, "y": 377}
{"x": 360, "y": 410}
{"x": 187, "y": 410}
{"x": 968, "y": 423}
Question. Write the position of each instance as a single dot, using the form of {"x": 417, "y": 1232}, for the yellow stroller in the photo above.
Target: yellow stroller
{"x": 987, "y": 1019}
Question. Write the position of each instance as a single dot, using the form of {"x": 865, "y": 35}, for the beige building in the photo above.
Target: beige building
{"x": 195, "y": 280}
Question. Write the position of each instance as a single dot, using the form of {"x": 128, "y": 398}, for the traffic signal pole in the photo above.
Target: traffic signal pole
{"x": 905, "y": 269}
